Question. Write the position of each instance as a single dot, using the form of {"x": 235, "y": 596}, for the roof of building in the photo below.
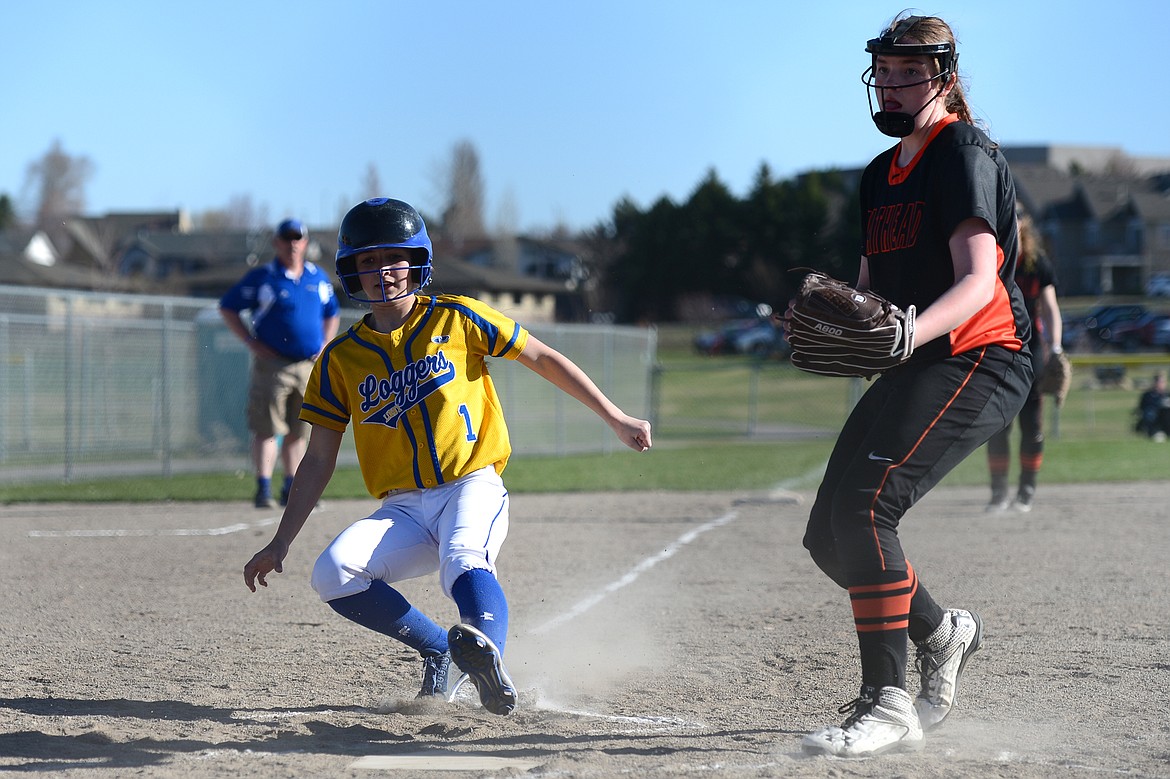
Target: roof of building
{"x": 18, "y": 266}
{"x": 458, "y": 276}
{"x": 1038, "y": 186}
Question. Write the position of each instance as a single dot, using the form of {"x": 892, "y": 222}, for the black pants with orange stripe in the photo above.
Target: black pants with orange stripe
{"x": 1031, "y": 455}
{"x": 911, "y": 428}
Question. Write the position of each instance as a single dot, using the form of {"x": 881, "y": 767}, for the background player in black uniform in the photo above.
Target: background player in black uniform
{"x": 1036, "y": 279}
{"x": 939, "y": 230}
{"x": 1153, "y": 410}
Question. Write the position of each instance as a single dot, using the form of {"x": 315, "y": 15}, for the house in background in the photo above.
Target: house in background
{"x": 543, "y": 259}
{"x": 29, "y": 258}
{"x": 524, "y": 298}
{"x": 556, "y": 267}
{"x": 201, "y": 264}
{"x": 161, "y": 254}
{"x": 99, "y": 241}
{"x": 1105, "y": 216}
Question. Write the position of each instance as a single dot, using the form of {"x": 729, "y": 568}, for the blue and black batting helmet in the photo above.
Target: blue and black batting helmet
{"x": 382, "y": 223}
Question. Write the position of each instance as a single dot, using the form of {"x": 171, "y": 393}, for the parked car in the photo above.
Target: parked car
{"x": 1158, "y": 332}
{"x": 1133, "y": 334}
{"x": 1099, "y": 323}
{"x": 1158, "y": 285}
{"x": 763, "y": 339}
{"x": 1072, "y": 334}
{"x": 714, "y": 342}
{"x": 758, "y": 337}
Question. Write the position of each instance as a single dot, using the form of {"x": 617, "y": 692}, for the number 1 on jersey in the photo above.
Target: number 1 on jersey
{"x": 467, "y": 421}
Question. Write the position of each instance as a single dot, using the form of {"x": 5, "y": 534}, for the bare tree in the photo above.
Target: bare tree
{"x": 56, "y": 185}
{"x": 372, "y": 183}
{"x": 241, "y": 213}
{"x": 213, "y": 220}
{"x": 508, "y": 214}
{"x": 1122, "y": 166}
{"x": 463, "y": 214}
{"x": 507, "y": 247}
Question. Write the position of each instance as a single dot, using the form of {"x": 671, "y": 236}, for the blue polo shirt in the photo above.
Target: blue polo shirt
{"x": 287, "y": 313}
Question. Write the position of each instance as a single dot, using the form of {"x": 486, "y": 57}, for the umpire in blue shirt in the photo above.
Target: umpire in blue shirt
{"x": 294, "y": 313}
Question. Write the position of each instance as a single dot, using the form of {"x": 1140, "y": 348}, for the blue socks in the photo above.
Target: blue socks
{"x": 482, "y": 604}
{"x": 383, "y": 609}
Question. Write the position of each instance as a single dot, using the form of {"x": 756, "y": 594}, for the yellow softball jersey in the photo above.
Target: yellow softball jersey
{"x": 424, "y": 408}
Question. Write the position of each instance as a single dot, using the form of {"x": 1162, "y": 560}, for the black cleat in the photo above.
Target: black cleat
{"x": 476, "y": 655}
{"x": 434, "y": 683}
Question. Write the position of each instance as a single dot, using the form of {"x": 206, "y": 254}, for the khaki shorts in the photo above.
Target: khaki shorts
{"x": 275, "y": 395}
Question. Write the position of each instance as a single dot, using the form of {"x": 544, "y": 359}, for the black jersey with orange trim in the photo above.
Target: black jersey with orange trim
{"x": 1032, "y": 277}
{"x": 909, "y": 214}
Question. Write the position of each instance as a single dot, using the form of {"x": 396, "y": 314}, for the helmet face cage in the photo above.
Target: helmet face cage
{"x": 351, "y": 279}
{"x": 889, "y": 44}
{"x": 382, "y": 223}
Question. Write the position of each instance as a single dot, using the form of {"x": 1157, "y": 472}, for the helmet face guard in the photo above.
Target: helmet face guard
{"x": 382, "y": 223}
{"x": 351, "y": 280}
{"x": 898, "y": 124}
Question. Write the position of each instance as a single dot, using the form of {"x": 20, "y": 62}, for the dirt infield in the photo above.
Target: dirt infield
{"x": 652, "y": 634}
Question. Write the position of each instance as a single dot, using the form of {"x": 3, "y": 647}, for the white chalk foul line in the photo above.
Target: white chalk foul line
{"x": 811, "y": 477}
{"x": 440, "y": 761}
{"x": 651, "y": 722}
{"x": 273, "y": 716}
{"x": 122, "y": 532}
{"x": 584, "y": 605}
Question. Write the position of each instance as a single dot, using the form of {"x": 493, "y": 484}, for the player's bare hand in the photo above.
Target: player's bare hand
{"x": 262, "y": 350}
{"x": 634, "y": 433}
{"x": 267, "y": 560}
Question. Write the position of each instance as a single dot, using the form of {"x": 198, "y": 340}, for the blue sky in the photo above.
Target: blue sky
{"x": 570, "y": 105}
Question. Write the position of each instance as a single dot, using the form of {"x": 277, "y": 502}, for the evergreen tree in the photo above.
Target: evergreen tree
{"x": 7, "y": 213}
{"x": 718, "y": 245}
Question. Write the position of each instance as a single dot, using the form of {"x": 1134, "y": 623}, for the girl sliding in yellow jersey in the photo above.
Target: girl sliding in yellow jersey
{"x": 431, "y": 443}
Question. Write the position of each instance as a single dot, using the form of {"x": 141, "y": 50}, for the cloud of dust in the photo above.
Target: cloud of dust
{"x": 588, "y": 657}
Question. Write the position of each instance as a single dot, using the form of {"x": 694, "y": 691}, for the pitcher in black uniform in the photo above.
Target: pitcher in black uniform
{"x": 939, "y": 232}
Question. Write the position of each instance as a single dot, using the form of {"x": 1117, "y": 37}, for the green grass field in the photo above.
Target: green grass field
{"x": 743, "y": 465}
{"x": 706, "y": 409}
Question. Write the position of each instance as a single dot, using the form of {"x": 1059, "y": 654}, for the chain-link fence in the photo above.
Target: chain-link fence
{"x": 709, "y": 398}
{"x": 100, "y": 384}
{"x": 95, "y": 384}
{"x": 764, "y": 399}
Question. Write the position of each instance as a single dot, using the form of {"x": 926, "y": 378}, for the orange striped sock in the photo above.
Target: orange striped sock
{"x": 886, "y": 606}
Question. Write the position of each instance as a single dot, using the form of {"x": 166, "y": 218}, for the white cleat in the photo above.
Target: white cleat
{"x": 882, "y": 721}
{"x": 940, "y": 662}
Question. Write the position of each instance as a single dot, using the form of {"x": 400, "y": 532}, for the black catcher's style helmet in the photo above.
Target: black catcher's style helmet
{"x": 382, "y": 223}
{"x": 890, "y": 44}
